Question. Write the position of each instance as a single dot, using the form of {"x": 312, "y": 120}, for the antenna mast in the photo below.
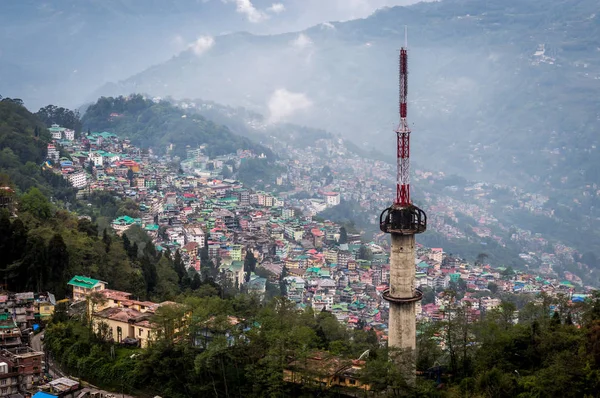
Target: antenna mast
{"x": 403, "y": 132}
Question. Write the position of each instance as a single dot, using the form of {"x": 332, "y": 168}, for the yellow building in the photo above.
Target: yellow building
{"x": 324, "y": 369}
{"x": 118, "y": 324}
{"x": 236, "y": 253}
{"x": 45, "y": 309}
{"x": 84, "y": 286}
{"x": 116, "y": 316}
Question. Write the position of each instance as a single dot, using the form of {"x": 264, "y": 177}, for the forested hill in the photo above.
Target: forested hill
{"x": 156, "y": 125}
{"x": 23, "y": 146}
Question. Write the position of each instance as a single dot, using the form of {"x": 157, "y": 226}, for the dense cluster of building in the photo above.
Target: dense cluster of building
{"x": 187, "y": 205}
{"x": 21, "y": 314}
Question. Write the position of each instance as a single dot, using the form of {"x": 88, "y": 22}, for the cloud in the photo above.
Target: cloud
{"x": 327, "y": 25}
{"x": 276, "y": 8}
{"x": 202, "y": 45}
{"x": 302, "y": 41}
{"x": 284, "y": 103}
{"x": 178, "y": 43}
{"x": 253, "y": 14}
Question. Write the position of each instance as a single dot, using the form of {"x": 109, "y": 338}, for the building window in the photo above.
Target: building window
{"x": 352, "y": 381}
{"x": 4, "y": 390}
{"x": 140, "y": 331}
{"x": 119, "y": 334}
{"x": 3, "y": 382}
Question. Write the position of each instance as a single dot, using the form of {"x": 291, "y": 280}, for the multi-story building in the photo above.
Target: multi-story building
{"x": 9, "y": 377}
{"x": 56, "y": 131}
{"x": 96, "y": 158}
{"x": 78, "y": 179}
{"x": 195, "y": 235}
{"x": 121, "y": 323}
{"x": 84, "y": 286}
{"x": 53, "y": 153}
{"x": 332, "y": 198}
{"x": 26, "y": 363}
{"x": 236, "y": 252}
{"x": 286, "y": 214}
{"x": 10, "y": 334}
{"x": 244, "y": 197}
{"x": 343, "y": 257}
{"x": 69, "y": 134}
{"x": 293, "y": 232}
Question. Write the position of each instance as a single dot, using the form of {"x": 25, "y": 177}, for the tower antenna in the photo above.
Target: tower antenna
{"x": 403, "y": 220}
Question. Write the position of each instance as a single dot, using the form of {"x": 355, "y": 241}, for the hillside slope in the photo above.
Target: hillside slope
{"x": 159, "y": 124}
{"x": 23, "y": 142}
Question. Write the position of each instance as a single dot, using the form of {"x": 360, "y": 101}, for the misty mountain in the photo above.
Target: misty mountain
{"x": 498, "y": 90}
{"x": 65, "y": 49}
{"x": 61, "y": 50}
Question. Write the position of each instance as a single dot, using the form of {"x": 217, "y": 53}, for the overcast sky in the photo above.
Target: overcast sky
{"x": 276, "y": 16}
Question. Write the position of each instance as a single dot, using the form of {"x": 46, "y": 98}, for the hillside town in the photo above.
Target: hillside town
{"x": 187, "y": 206}
{"x": 269, "y": 242}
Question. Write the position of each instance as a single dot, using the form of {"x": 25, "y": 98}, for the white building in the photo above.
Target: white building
{"x": 268, "y": 201}
{"x": 53, "y": 152}
{"x": 69, "y": 134}
{"x": 332, "y": 198}
{"x": 96, "y": 158}
{"x": 56, "y": 131}
{"x": 78, "y": 179}
{"x": 195, "y": 235}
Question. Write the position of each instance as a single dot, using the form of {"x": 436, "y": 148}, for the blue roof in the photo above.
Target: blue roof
{"x": 42, "y": 394}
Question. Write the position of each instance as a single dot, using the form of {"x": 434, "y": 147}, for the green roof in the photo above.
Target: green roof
{"x": 83, "y": 281}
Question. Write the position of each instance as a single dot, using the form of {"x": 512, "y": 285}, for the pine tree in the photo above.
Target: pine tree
{"x": 343, "y": 236}
{"x": 179, "y": 266}
{"x": 57, "y": 265}
{"x": 106, "y": 239}
{"x": 196, "y": 282}
{"x": 149, "y": 271}
{"x": 133, "y": 251}
{"x": 249, "y": 264}
{"x": 126, "y": 243}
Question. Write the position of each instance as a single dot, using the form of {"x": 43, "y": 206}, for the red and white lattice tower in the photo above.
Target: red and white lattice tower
{"x": 403, "y": 137}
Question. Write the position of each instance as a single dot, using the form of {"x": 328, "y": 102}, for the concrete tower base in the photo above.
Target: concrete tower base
{"x": 402, "y": 334}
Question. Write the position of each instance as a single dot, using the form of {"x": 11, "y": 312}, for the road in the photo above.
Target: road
{"x": 38, "y": 345}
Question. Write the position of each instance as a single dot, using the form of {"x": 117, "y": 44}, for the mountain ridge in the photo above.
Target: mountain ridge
{"x": 481, "y": 94}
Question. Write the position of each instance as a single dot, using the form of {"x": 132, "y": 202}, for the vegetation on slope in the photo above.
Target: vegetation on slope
{"x": 544, "y": 354}
{"x": 157, "y": 125}
{"x": 23, "y": 141}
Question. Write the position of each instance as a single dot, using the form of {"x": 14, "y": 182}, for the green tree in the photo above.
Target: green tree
{"x": 343, "y": 236}
{"x": 63, "y": 117}
{"x": 249, "y": 264}
{"x": 35, "y": 203}
{"x": 58, "y": 265}
{"x": 167, "y": 285}
{"x": 88, "y": 227}
{"x": 365, "y": 253}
